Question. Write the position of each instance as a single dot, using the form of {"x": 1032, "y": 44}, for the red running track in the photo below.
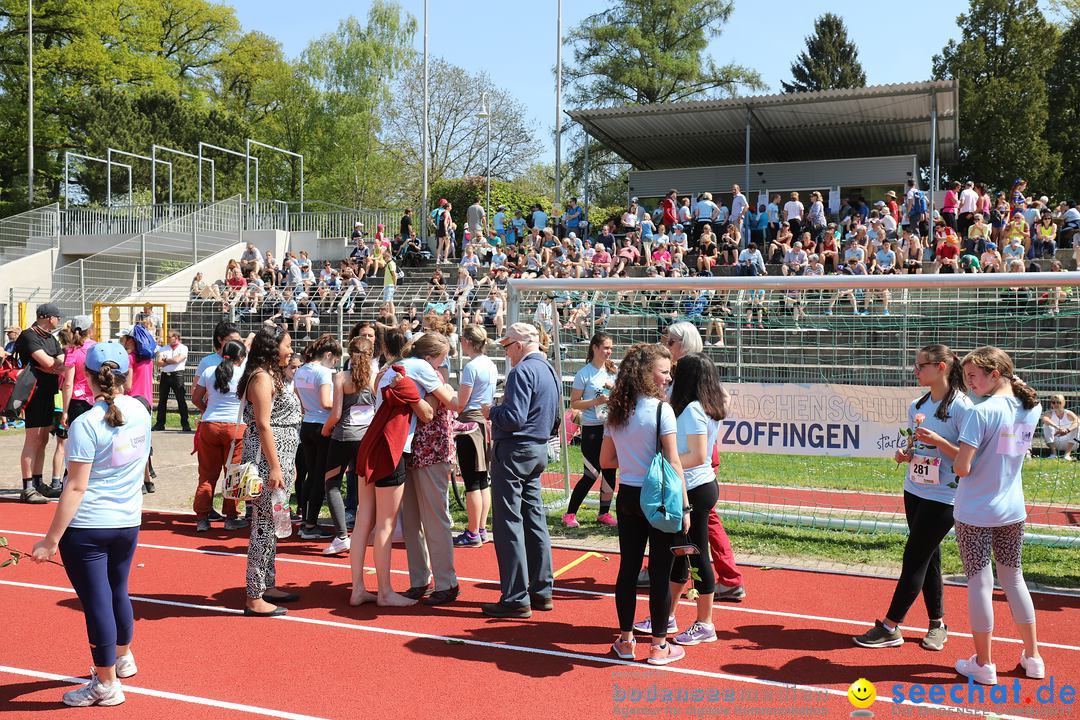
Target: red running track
{"x": 874, "y": 503}
{"x": 327, "y": 660}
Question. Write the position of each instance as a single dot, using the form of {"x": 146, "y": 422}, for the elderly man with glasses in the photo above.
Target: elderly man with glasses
{"x": 520, "y": 428}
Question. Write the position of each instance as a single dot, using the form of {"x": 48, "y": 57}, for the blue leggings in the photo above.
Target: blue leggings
{"x": 98, "y": 561}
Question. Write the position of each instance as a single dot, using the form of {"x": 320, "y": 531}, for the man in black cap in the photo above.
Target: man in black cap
{"x": 39, "y": 350}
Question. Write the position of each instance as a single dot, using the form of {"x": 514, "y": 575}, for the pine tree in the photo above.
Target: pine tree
{"x": 1063, "y": 126}
{"x": 830, "y": 61}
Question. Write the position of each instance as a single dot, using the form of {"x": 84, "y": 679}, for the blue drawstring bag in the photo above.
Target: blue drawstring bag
{"x": 662, "y": 491}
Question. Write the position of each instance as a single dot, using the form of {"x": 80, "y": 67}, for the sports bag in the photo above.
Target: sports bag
{"x": 242, "y": 481}
{"x": 17, "y": 386}
{"x": 145, "y": 344}
{"x": 662, "y": 491}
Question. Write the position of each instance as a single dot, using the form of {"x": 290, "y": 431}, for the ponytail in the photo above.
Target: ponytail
{"x": 232, "y": 353}
{"x": 110, "y": 385}
{"x": 989, "y": 359}
{"x": 1024, "y": 393}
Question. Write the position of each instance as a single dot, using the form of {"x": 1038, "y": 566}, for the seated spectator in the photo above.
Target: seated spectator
{"x": 780, "y": 245}
{"x": 292, "y": 274}
{"x": 1060, "y": 428}
{"x": 360, "y": 251}
{"x": 498, "y": 257}
{"x": 271, "y": 273}
{"x": 679, "y": 267}
{"x": 977, "y": 236}
{"x": 751, "y": 263}
{"x": 853, "y": 250}
{"x": 307, "y": 278}
{"x": 358, "y": 232}
{"x": 304, "y": 260}
{"x": 851, "y": 267}
{"x": 236, "y": 284}
{"x": 307, "y": 314}
{"x": 437, "y": 286}
{"x": 829, "y": 252}
{"x": 814, "y": 267}
{"x": 969, "y": 262}
{"x": 286, "y": 311}
{"x": 991, "y": 260}
{"x": 327, "y": 276}
{"x": 911, "y": 250}
{"x": 661, "y": 258}
{"x": 680, "y": 238}
{"x": 492, "y": 312}
{"x": 628, "y": 254}
{"x": 469, "y": 262}
{"x": 796, "y": 260}
{"x": 707, "y": 251}
{"x": 251, "y": 260}
{"x": 230, "y": 267}
{"x": 201, "y": 291}
{"x": 1014, "y": 250}
{"x": 1045, "y": 236}
{"x": 1018, "y": 229}
{"x": 947, "y": 252}
{"x": 601, "y": 262}
{"x": 884, "y": 262}
{"x": 325, "y": 300}
{"x": 729, "y": 245}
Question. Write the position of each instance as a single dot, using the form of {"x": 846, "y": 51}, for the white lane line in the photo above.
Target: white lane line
{"x": 591, "y": 593}
{"x": 164, "y": 694}
{"x": 581, "y": 657}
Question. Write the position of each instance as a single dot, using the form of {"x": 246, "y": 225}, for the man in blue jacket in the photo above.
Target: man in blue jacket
{"x": 520, "y": 428}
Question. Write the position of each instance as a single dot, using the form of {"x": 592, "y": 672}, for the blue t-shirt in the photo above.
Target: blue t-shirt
{"x": 500, "y": 221}
{"x": 573, "y": 217}
{"x": 921, "y": 481}
{"x": 1000, "y": 430}
{"x": 113, "y": 497}
{"x": 426, "y": 379}
{"x": 772, "y": 211}
{"x": 885, "y": 258}
{"x": 481, "y": 375}
{"x": 694, "y": 421}
{"x": 591, "y": 380}
{"x": 220, "y": 407}
{"x": 635, "y": 442}
{"x": 519, "y": 226}
{"x": 540, "y": 219}
{"x": 309, "y": 380}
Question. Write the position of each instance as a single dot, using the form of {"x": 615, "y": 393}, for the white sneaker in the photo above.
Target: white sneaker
{"x": 645, "y": 626}
{"x": 125, "y": 665}
{"x": 338, "y": 546}
{"x": 982, "y": 674}
{"x": 95, "y": 693}
{"x": 1034, "y": 667}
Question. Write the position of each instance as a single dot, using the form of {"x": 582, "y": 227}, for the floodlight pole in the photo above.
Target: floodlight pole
{"x": 485, "y": 112}
{"x": 585, "y": 188}
{"x": 424, "y": 135}
{"x": 933, "y": 156}
{"x": 30, "y": 104}
{"x": 746, "y": 185}
{"x": 558, "y": 104}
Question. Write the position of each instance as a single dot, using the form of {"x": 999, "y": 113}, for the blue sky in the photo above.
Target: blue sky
{"x": 514, "y": 41}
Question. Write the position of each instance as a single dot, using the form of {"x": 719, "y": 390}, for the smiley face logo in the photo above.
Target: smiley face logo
{"x": 862, "y": 693}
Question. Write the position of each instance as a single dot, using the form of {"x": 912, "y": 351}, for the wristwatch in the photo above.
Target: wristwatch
{"x": 687, "y": 509}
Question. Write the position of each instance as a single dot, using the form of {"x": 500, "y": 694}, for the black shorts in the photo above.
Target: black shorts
{"x": 396, "y": 478}
{"x": 77, "y": 408}
{"x": 40, "y": 411}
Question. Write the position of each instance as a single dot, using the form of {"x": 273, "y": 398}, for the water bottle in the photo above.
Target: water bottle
{"x": 279, "y": 502}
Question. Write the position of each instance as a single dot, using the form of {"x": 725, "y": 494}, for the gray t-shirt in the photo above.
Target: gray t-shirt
{"x": 474, "y": 216}
{"x": 357, "y": 409}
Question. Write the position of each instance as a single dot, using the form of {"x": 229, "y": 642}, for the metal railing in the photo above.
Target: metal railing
{"x": 29, "y": 232}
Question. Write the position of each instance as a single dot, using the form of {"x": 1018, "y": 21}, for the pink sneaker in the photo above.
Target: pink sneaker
{"x": 625, "y": 649}
{"x": 607, "y": 519}
{"x": 570, "y": 520}
{"x": 667, "y": 653}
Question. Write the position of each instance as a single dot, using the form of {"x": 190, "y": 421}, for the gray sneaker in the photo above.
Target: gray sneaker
{"x": 936, "y": 637}
{"x": 878, "y": 637}
{"x": 697, "y": 633}
{"x": 236, "y": 523}
{"x": 730, "y": 594}
{"x": 202, "y": 525}
{"x": 32, "y": 496}
{"x": 95, "y": 693}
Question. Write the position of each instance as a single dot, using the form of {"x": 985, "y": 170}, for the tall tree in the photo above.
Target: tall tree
{"x": 642, "y": 52}
{"x": 458, "y": 135}
{"x": 1063, "y": 126}
{"x": 1001, "y": 61}
{"x": 830, "y": 61}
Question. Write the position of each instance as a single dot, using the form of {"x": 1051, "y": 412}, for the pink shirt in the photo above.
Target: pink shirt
{"x": 142, "y": 378}
{"x": 76, "y": 357}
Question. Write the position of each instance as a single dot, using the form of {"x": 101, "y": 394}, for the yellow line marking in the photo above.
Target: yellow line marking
{"x": 575, "y": 563}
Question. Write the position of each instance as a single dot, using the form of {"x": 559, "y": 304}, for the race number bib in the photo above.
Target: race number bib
{"x": 127, "y": 447}
{"x": 924, "y": 470}
{"x": 1014, "y": 441}
{"x": 361, "y": 414}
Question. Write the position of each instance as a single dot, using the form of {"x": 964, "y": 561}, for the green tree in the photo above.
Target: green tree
{"x": 1001, "y": 61}
{"x": 643, "y": 52}
{"x": 1063, "y": 126}
{"x": 830, "y": 61}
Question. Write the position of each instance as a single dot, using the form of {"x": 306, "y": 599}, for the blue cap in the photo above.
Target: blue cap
{"x": 104, "y": 352}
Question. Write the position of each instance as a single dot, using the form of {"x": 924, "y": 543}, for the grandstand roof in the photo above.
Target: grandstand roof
{"x": 831, "y": 124}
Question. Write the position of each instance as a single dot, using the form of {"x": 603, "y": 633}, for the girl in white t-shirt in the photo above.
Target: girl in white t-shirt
{"x": 630, "y": 443}
{"x": 589, "y": 395}
{"x": 989, "y": 512}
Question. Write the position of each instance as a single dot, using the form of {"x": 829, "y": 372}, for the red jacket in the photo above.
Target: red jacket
{"x": 384, "y": 441}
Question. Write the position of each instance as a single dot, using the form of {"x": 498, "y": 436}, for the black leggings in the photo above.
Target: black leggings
{"x": 466, "y": 453}
{"x": 314, "y": 446}
{"x": 592, "y": 438}
{"x": 338, "y": 456}
{"x": 928, "y": 524}
{"x": 703, "y": 498}
{"x": 634, "y": 532}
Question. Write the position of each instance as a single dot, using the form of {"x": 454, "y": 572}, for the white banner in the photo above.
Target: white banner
{"x": 835, "y": 420}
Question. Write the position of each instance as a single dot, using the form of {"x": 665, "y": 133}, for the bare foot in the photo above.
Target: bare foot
{"x": 360, "y": 597}
{"x": 394, "y": 599}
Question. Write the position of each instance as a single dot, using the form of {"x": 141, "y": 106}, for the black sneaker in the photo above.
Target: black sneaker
{"x": 50, "y": 491}
{"x": 202, "y": 525}
{"x": 506, "y": 610}
{"x": 215, "y": 516}
{"x": 879, "y": 637}
{"x": 149, "y": 487}
{"x": 314, "y": 533}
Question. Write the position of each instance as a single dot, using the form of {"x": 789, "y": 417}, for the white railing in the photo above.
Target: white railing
{"x": 29, "y": 232}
